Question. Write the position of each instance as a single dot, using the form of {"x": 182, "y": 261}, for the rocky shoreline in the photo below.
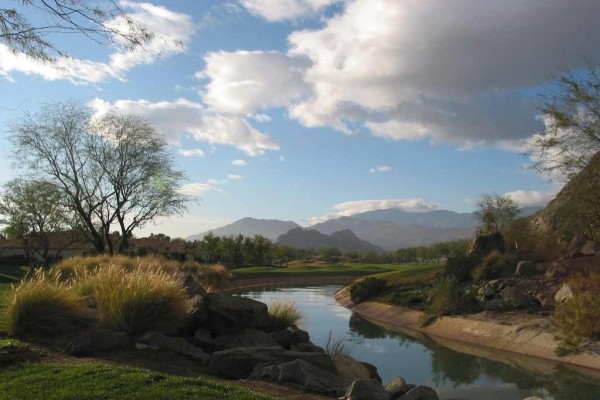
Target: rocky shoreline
{"x": 518, "y": 344}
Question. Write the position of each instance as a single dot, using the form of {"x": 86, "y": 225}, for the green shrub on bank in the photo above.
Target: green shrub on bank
{"x": 579, "y": 317}
{"x": 284, "y": 313}
{"x": 445, "y": 298}
{"x": 462, "y": 266}
{"x": 135, "y": 301}
{"x": 495, "y": 265}
{"x": 44, "y": 306}
{"x": 366, "y": 288}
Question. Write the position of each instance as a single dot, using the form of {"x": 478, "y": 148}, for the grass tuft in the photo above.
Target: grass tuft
{"x": 44, "y": 306}
{"x": 337, "y": 347}
{"x": 213, "y": 277}
{"x": 283, "y": 314}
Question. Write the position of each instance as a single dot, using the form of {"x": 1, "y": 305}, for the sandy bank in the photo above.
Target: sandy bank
{"x": 523, "y": 346}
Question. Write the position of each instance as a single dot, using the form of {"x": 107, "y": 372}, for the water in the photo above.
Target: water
{"x": 452, "y": 374}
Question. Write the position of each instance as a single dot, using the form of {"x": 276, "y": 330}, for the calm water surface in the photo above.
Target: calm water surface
{"x": 452, "y": 374}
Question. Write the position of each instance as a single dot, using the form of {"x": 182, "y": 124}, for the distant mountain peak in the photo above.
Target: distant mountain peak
{"x": 248, "y": 226}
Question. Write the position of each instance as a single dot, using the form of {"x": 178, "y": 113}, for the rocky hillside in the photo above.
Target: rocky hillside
{"x": 344, "y": 240}
{"x": 269, "y": 228}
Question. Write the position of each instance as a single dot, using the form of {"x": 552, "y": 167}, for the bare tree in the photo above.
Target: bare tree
{"x": 104, "y": 25}
{"x": 114, "y": 171}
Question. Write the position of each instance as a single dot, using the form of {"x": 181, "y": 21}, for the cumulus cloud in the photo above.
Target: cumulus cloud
{"x": 280, "y": 10}
{"x": 234, "y": 177}
{"x": 349, "y": 208}
{"x": 239, "y": 163}
{"x": 381, "y": 168}
{"x": 191, "y": 152}
{"x": 450, "y": 71}
{"x": 174, "y": 118}
{"x": 172, "y": 32}
{"x": 526, "y": 198}
{"x": 242, "y": 82}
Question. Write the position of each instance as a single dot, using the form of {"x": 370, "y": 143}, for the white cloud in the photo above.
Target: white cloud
{"x": 381, "y": 168}
{"x": 200, "y": 189}
{"x": 172, "y": 32}
{"x": 280, "y": 10}
{"x": 191, "y": 152}
{"x": 281, "y": 158}
{"x": 239, "y": 163}
{"x": 526, "y": 198}
{"x": 234, "y": 177}
{"x": 349, "y": 208}
{"x": 245, "y": 81}
{"x": 181, "y": 116}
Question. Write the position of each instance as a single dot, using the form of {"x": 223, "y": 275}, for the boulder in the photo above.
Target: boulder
{"x": 203, "y": 339}
{"x": 192, "y": 286}
{"x": 349, "y": 368}
{"x": 486, "y": 292}
{"x": 396, "y": 387}
{"x": 590, "y": 248}
{"x": 515, "y": 298}
{"x": 237, "y": 363}
{"x": 564, "y": 293}
{"x": 177, "y": 345}
{"x": 302, "y": 374}
{"x": 290, "y": 336}
{"x": 320, "y": 360}
{"x": 98, "y": 340}
{"x": 196, "y": 318}
{"x": 366, "y": 389}
{"x": 231, "y": 314}
{"x": 485, "y": 244}
{"x": 373, "y": 374}
{"x": 246, "y": 337}
{"x": 546, "y": 299}
{"x": 307, "y": 347}
{"x": 525, "y": 269}
{"x": 556, "y": 270}
{"x": 420, "y": 393}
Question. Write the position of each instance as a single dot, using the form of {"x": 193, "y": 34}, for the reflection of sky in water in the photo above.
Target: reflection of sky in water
{"x": 452, "y": 374}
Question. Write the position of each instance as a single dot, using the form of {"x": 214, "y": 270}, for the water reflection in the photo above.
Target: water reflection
{"x": 423, "y": 361}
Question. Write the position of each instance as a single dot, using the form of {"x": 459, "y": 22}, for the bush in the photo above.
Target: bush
{"x": 495, "y": 265}
{"x": 212, "y": 277}
{"x": 366, "y": 288}
{"x": 579, "y": 317}
{"x": 44, "y": 306}
{"x": 283, "y": 314}
{"x": 74, "y": 266}
{"x": 462, "y": 266}
{"x": 445, "y": 298}
{"x": 135, "y": 301}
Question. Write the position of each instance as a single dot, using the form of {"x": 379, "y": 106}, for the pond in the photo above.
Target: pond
{"x": 452, "y": 374}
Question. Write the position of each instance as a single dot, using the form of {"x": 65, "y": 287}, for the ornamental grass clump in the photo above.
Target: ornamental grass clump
{"x": 44, "y": 305}
{"x": 135, "y": 301}
{"x": 212, "y": 277}
{"x": 283, "y": 314}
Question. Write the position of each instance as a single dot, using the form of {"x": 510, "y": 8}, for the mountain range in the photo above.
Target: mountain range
{"x": 387, "y": 229}
{"x": 344, "y": 240}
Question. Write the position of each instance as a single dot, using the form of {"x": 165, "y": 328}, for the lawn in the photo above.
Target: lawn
{"x": 326, "y": 269}
{"x": 53, "y": 382}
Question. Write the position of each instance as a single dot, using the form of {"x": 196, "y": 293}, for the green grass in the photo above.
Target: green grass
{"x": 411, "y": 273}
{"x": 328, "y": 269}
{"x": 53, "y": 382}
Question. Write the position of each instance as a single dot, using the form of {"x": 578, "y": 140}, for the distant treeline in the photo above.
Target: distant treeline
{"x": 239, "y": 251}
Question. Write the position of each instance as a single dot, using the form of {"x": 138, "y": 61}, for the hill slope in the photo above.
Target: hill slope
{"x": 344, "y": 240}
{"x": 269, "y": 228}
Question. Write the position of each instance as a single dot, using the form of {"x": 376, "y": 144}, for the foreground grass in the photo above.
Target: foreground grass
{"x": 53, "y": 382}
{"x": 329, "y": 269}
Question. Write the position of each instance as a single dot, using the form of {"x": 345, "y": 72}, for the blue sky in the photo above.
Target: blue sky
{"x": 333, "y": 107}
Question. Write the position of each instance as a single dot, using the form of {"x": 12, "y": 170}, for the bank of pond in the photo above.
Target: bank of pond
{"x": 422, "y": 361}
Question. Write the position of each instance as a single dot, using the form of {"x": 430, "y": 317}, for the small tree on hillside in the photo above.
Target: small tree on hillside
{"x": 495, "y": 212}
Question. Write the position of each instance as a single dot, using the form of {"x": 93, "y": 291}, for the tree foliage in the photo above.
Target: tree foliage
{"x": 112, "y": 171}
{"x": 495, "y": 212}
{"x": 105, "y": 24}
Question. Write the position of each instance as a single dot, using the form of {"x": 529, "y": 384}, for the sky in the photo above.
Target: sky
{"x": 305, "y": 110}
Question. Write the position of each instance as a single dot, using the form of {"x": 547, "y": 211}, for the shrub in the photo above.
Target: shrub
{"x": 44, "y": 306}
{"x": 495, "y": 265}
{"x": 445, "y": 298}
{"x": 579, "y": 317}
{"x": 283, "y": 314}
{"x": 337, "y": 347}
{"x": 74, "y": 266}
{"x": 366, "y": 288}
{"x": 462, "y": 266}
{"x": 212, "y": 277}
{"x": 135, "y": 301}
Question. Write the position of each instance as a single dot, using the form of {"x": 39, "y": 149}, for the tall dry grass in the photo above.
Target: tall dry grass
{"x": 134, "y": 300}
{"x": 74, "y": 266}
{"x": 284, "y": 313}
{"x": 44, "y": 305}
{"x": 212, "y": 277}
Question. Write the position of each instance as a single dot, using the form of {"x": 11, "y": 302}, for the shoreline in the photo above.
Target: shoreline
{"x": 517, "y": 345}
{"x": 270, "y": 282}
